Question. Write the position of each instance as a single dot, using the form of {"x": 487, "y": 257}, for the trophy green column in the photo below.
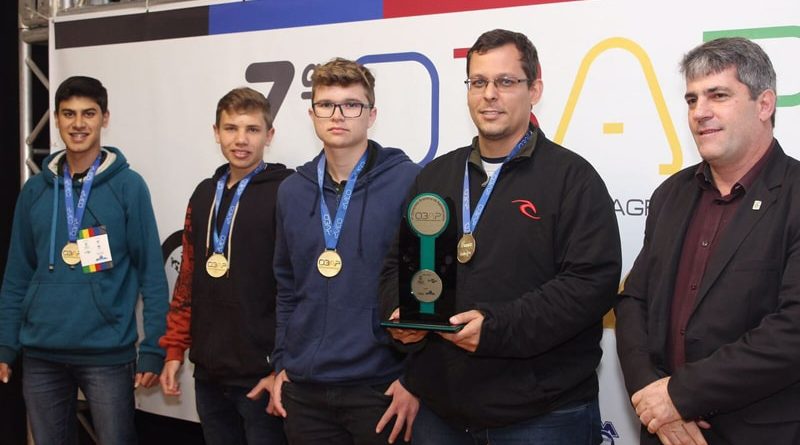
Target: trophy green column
{"x": 428, "y": 216}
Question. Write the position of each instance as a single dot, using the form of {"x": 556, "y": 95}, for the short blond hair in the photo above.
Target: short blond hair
{"x": 343, "y": 72}
{"x": 244, "y": 100}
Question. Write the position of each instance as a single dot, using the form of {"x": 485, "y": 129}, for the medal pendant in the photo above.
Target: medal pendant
{"x": 70, "y": 254}
{"x": 427, "y": 215}
{"x": 329, "y": 263}
{"x": 217, "y": 265}
{"x": 465, "y": 248}
{"x": 426, "y": 286}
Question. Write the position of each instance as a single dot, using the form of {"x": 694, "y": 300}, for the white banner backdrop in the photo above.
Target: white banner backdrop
{"x": 612, "y": 93}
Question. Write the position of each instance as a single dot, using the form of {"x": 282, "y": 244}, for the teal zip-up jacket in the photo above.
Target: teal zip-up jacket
{"x": 54, "y": 312}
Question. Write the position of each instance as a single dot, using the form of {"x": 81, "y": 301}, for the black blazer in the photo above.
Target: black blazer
{"x": 743, "y": 337}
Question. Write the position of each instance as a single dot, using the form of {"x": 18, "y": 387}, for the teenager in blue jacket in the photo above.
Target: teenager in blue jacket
{"x": 336, "y": 370}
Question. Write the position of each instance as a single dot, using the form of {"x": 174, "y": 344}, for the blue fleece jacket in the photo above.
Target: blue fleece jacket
{"x": 328, "y": 329}
{"x": 66, "y": 315}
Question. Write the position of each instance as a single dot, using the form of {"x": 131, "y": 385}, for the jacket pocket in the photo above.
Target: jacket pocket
{"x": 755, "y": 265}
{"x": 68, "y": 316}
{"x": 29, "y": 297}
{"x": 303, "y": 334}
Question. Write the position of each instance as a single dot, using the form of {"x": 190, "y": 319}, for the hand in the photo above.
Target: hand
{"x": 146, "y": 380}
{"x": 405, "y": 406}
{"x": 5, "y": 372}
{"x": 654, "y": 406}
{"x": 469, "y": 337}
{"x": 169, "y": 383}
{"x": 682, "y": 432}
{"x": 275, "y": 405}
{"x": 264, "y": 385}
{"x": 403, "y": 335}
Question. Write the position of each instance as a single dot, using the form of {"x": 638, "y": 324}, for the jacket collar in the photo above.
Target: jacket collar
{"x": 525, "y": 153}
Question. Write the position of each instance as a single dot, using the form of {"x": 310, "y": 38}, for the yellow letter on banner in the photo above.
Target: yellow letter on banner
{"x": 652, "y": 83}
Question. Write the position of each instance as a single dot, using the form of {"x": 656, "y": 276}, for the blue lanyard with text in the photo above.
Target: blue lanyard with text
{"x": 332, "y": 230}
{"x": 470, "y": 223}
{"x": 75, "y": 213}
{"x": 222, "y": 235}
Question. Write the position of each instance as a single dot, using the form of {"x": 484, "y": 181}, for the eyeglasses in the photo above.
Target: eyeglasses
{"x": 501, "y": 83}
{"x": 348, "y": 109}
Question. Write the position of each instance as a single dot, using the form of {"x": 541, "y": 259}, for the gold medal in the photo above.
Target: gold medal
{"x": 465, "y": 248}
{"x": 426, "y": 286}
{"x": 217, "y": 265}
{"x": 329, "y": 263}
{"x": 70, "y": 254}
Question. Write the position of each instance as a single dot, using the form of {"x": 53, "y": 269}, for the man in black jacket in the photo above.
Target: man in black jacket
{"x": 539, "y": 267}
{"x": 708, "y": 327}
{"x": 223, "y": 307}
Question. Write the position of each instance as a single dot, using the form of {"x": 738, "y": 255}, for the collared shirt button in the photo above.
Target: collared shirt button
{"x": 704, "y": 243}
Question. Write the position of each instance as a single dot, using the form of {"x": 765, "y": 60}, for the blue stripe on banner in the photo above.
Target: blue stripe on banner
{"x": 257, "y": 15}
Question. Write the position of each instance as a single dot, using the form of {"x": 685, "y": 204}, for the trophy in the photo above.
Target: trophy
{"x": 427, "y": 266}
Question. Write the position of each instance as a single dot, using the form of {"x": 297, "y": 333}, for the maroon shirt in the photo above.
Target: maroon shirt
{"x": 712, "y": 214}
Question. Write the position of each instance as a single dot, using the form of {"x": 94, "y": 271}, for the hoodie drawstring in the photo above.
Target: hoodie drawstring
{"x": 367, "y": 180}
{"x": 53, "y": 222}
{"x": 317, "y": 197}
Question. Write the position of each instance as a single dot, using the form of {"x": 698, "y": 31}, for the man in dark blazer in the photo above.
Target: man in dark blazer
{"x": 708, "y": 327}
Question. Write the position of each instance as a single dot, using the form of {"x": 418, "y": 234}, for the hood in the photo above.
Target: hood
{"x": 113, "y": 163}
{"x": 385, "y": 158}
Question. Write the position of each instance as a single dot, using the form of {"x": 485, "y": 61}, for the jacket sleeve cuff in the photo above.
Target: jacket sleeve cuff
{"x": 149, "y": 363}
{"x": 682, "y": 399}
{"x": 7, "y": 355}
{"x": 275, "y": 363}
{"x": 174, "y": 353}
{"x": 490, "y": 341}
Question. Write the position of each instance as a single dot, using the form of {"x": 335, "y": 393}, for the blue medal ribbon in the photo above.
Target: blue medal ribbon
{"x": 470, "y": 223}
{"x": 332, "y": 229}
{"x": 75, "y": 213}
{"x": 221, "y": 236}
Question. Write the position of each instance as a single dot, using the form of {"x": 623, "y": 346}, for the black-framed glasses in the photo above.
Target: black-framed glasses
{"x": 348, "y": 109}
{"x": 505, "y": 83}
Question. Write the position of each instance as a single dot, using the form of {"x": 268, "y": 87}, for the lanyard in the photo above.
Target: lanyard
{"x": 333, "y": 230}
{"x": 222, "y": 235}
{"x": 75, "y": 213}
{"x": 471, "y": 223}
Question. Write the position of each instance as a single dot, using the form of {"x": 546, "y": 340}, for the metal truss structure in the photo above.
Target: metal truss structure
{"x": 35, "y": 17}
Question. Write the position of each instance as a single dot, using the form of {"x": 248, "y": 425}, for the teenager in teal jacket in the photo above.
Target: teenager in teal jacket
{"x": 75, "y": 324}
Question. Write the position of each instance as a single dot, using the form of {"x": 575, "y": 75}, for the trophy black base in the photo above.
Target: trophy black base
{"x": 422, "y": 325}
